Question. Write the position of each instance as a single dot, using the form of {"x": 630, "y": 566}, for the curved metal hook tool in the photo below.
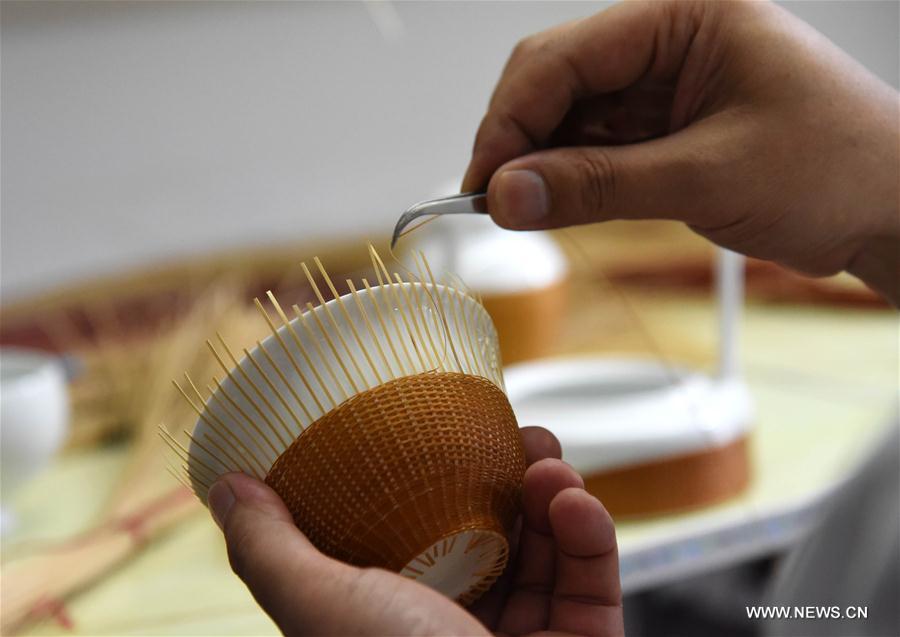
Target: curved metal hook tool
{"x": 467, "y": 202}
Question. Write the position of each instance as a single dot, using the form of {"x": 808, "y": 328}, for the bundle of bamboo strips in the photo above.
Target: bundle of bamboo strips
{"x": 146, "y": 501}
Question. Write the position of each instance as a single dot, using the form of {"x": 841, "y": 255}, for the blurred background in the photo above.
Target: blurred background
{"x": 163, "y": 162}
{"x": 137, "y": 132}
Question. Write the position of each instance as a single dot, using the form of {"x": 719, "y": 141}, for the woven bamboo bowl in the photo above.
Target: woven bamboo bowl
{"x": 380, "y": 418}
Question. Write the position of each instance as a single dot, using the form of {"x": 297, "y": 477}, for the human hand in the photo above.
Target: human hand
{"x": 734, "y": 117}
{"x": 563, "y": 578}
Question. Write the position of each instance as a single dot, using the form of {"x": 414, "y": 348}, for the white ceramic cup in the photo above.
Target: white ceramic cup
{"x": 34, "y": 418}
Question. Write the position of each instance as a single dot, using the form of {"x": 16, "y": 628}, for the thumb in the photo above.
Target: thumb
{"x": 666, "y": 178}
{"x": 287, "y": 576}
{"x": 306, "y": 592}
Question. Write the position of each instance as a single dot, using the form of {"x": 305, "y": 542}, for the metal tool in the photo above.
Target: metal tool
{"x": 467, "y": 202}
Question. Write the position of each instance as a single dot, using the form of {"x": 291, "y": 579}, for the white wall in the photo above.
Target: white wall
{"x": 136, "y": 132}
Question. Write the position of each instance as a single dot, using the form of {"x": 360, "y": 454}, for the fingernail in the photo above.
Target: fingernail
{"x": 522, "y": 198}
{"x": 220, "y": 499}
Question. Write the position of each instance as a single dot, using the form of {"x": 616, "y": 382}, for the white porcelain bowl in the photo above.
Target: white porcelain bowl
{"x": 336, "y": 351}
{"x": 34, "y": 416}
{"x": 489, "y": 259}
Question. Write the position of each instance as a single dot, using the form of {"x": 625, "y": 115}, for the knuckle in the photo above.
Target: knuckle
{"x": 547, "y": 45}
{"x": 597, "y": 179}
{"x": 523, "y": 48}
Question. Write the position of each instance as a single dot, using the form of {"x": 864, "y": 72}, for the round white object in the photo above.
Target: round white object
{"x": 610, "y": 413}
{"x": 489, "y": 259}
{"x": 34, "y": 414}
{"x": 457, "y": 564}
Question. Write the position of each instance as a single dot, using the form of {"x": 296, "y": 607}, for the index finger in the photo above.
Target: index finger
{"x": 539, "y": 444}
{"x": 604, "y": 53}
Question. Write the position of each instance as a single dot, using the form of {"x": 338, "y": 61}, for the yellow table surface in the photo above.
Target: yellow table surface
{"x": 824, "y": 381}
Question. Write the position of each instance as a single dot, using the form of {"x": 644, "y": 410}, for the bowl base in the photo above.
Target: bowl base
{"x": 462, "y": 565}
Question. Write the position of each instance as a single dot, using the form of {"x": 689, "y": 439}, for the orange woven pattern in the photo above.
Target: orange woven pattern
{"x": 390, "y": 472}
